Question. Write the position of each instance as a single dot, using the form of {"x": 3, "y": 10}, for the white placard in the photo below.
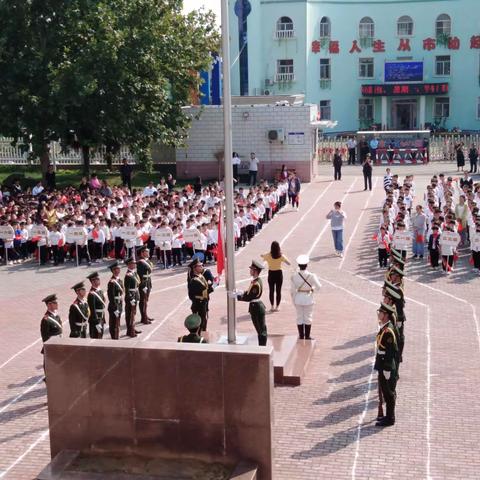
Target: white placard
{"x": 128, "y": 233}
{"x": 450, "y": 239}
{"x": 296, "y": 138}
{"x": 38, "y": 231}
{"x": 6, "y": 232}
{"x": 162, "y": 235}
{"x": 74, "y": 235}
{"x": 191, "y": 235}
{"x": 402, "y": 239}
{"x": 163, "y": 238}
{"x": 476, "y": 242}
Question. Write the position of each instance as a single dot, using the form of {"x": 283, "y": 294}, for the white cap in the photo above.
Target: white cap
{"x": 303, "y": 259}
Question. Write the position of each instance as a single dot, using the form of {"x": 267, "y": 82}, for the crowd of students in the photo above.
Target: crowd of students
{"x": 442, "y": 220}
{"x": 99, "y": 221}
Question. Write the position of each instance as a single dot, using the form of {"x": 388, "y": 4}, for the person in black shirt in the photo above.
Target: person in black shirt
{"x": 466, "y": 181}
{"x": 170, "y": 182}
{"x": 126, "y": 173}
{"x": 473, "y": 157}
{"x": 337, "y": 165}
{"x": 367, "y": 173}
{"x": 50, "y": 179}
{"x": 197, "y": 186}
{"x": 83, "y": 187}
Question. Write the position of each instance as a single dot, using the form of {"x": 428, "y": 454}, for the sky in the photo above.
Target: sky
{"x": 189, "y": 5}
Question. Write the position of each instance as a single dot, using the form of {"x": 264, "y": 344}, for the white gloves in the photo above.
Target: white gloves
{"x": 116, "y": 313}
{"x": 133, "y": 303}
{"x": 235, "y": 293}
{"x": 387, "y": 374}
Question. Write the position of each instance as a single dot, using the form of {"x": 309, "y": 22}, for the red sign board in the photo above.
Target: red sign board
{"x": 403, "y": 89}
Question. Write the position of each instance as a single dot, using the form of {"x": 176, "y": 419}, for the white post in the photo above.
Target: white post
{"x": 76, "y": 252}
{"x": 227, "y": 158}
{"x": 421, "y": 123}
{"x": 384, "y": 113}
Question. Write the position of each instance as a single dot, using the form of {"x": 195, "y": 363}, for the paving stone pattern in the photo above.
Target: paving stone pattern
{"x": 324, "y": 428}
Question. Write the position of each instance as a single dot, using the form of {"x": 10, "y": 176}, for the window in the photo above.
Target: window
{"x": 404, "y": 26}
{"x": 325, "y": 71}
{"x": 325, "y": 27}
{"x": 443, "y": 25}
{"x": 325, "y": 110}
{"x": 442, "y": 65}
{"x": 366, "y": 28}
{"x": 365, "y": 68}
{"x": 285, "y": 71}
{"x": 365, "y": 109}
{"x": 441, "y": 107}
{"x": 284, "y": 28}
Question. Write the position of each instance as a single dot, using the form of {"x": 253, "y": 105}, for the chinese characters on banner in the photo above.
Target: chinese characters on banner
{"x": 378, "y": 46}
{"x": 404, "y": 89}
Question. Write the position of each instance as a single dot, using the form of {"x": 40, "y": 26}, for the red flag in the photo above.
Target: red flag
{"x": 220, "y": 253}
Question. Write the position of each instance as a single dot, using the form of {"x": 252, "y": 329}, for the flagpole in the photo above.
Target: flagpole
{"x": 227, "y": 158}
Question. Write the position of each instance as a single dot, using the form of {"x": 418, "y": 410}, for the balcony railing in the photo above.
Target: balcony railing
{"x": 284, "y": 30}
{"x": 285, "y": 77}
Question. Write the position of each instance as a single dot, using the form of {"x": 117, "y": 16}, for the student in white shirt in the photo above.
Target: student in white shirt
{"x": 253, "y": 168}
{"x": 177, "y": 244}
{"x": 57, "y": 240}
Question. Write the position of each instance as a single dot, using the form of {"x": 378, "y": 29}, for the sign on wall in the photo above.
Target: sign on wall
{"x": 402, "y": 89}
{"x": 403, "y": 71}
{"x": 296, "y": 138}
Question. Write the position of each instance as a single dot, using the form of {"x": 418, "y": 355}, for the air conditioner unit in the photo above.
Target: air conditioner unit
{"x": 269, "y": 82}
{"x": 267, "y": 92}
{"x": 276, "y": 135}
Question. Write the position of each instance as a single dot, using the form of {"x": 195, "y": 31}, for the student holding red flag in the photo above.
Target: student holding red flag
{"x": 383, "y": 240}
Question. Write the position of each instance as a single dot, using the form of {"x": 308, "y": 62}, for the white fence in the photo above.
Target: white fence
{"x": 10, "y": 155}
{"x": 442, "y": 147}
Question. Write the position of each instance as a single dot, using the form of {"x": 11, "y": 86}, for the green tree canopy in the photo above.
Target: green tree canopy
{"x": 92, "y": 72}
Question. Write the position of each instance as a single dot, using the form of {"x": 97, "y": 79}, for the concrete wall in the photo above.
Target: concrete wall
{"x": 250, "y": 126}
{"x": 158, "y": 399}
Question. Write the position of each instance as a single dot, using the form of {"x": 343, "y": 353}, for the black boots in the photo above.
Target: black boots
{"x": 301, "y": 331}
{"x": 307, "y": 332}
{"x": 304, "y": 332}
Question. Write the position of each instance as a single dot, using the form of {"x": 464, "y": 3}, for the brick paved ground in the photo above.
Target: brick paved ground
{"x": 325, "y": 428}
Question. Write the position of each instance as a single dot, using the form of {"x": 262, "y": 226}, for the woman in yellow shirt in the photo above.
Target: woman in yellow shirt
{"x": 274, "y": 259}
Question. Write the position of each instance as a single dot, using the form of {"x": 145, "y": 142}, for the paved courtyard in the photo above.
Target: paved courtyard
{"x": 324, "y": 428}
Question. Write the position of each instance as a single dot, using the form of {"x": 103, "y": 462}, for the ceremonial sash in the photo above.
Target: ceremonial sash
{"x": 55, "y": 322}
{"x": 98, "y": 296}
{"x": 80, "y": 312}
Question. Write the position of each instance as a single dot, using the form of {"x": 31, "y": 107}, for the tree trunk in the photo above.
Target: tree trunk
{"x": 86, "y": 160}
{"x": 45, "y": 160}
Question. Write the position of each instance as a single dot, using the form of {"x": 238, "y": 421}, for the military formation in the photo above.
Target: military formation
{"x": 390, "y": 338}
{"x": 87, "y": 315}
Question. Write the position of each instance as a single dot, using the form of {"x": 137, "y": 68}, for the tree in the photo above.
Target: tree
{"x": 100, "y": 73}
